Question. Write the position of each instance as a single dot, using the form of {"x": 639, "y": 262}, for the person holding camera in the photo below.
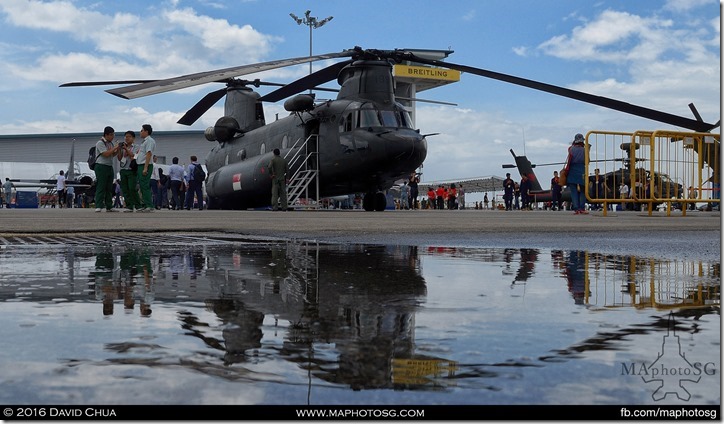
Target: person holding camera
{"x": 129, "y": 180}
{"x": 105, "y": 151}
{"x": 414, "y": 190}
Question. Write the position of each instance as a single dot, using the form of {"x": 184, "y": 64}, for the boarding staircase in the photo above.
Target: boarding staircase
{"x": 305, "y": 160}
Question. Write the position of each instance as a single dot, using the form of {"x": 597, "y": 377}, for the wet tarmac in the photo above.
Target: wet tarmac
{"x": 354, "y": 308}
{"x": 696, "y": 235}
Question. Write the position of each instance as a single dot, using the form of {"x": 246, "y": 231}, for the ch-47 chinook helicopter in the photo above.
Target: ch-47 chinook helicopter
{"x": 363, "y": 141}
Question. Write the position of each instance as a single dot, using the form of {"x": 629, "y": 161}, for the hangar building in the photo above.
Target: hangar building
{"x": 57, "y": 147}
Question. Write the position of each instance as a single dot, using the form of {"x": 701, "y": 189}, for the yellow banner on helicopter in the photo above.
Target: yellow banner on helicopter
{"x": 426, "y": 72}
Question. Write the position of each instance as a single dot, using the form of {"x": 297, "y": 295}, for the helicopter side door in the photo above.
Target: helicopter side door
{"x": 339, "y": 152}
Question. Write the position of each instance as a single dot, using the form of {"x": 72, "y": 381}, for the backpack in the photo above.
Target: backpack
{"x": 199, "y": 174}
{"x": 92, "y": 158}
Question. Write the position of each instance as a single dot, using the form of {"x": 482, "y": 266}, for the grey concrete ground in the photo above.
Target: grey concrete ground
{"x": 695, "y": 236}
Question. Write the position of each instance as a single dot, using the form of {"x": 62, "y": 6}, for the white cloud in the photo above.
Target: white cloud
{"x": 173, "y": 43}
{"x": 476, "y": 143}
{"x": 521, "y": 50}
{"x": 219, "y": 35}
{"x": 654, "y": 58}
{"x": 684, "y": 5}
{"x": 121, "y": 117}
{"x": 608, "y": 38}
{"x": 55, "y": 16}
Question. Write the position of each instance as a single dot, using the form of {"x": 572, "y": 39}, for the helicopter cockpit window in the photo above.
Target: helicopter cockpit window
{"x": 263, "y": 148}
{"x": 389, "y": 118}
{"x": 405, "y": 119}
{"x": 368, "y": 118}
{"x": 345, "y": 123}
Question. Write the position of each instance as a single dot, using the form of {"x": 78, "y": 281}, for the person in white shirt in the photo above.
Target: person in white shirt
{"x": 176, "y": 174}
{"x": 60, "y": 188}
{"x": 145, "y": 168}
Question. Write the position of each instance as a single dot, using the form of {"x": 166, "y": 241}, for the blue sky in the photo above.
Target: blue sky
{"x": 659, "y": 54}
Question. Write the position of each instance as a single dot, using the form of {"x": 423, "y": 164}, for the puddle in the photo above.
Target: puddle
{"x": 227, "y": 322}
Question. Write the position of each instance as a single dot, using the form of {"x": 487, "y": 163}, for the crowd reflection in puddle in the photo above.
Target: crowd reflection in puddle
{"x": 436, "y": 324}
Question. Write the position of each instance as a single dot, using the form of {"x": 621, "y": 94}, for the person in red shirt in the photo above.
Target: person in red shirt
{"x": 451, "y": 196}
{"x": 440, "y": 192}
{"x": 430, "y": 198}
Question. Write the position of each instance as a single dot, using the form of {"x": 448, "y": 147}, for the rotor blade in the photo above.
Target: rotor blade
{"x": 606, "y": 102}
{"x": 310, "y": 81}
{"x": 551, "y": 164}
{"x": 331, "y": 90}
{"x": 191, "y": 80}
{"x": 257, "y": 83}
{"x": 92, "y": 83}
{"x": 437, "y": 102}
{"x": 193, "y": 114}
{"x": 695, "y": 112}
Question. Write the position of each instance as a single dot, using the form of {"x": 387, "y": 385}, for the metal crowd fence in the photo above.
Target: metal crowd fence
{"x": 646, "y": 170}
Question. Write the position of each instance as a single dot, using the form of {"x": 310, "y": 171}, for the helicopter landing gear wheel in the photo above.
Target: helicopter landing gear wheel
{"x": 374, "y": 201}
{"x": 368, "y": 202}
{"x": 380, "y": 201}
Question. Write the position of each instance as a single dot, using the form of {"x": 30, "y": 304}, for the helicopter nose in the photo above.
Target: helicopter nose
{"x": 406, "y": 147}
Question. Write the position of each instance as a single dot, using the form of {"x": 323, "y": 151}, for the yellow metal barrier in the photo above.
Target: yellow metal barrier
{"x": 645, "y": 169}
{"x": 607, "y": 166}
{"x": 691, "y": 161}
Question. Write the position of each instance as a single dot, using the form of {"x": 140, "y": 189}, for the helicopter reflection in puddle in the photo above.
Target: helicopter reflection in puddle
{"x": 346, "y": 313}
{"x": 339, "y": 295}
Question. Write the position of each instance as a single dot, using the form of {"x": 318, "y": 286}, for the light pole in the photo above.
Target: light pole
{"x": 313, "y": 23}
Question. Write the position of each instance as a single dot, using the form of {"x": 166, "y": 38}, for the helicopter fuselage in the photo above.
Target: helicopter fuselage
{"x": 361, "y": 146}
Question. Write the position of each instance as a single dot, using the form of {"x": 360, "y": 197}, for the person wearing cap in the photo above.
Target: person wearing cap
{"x": 508, "y": 188}
{"x": 576, "y": 170}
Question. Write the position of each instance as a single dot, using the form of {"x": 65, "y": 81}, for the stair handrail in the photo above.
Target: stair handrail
{"x": 310, "y": 163}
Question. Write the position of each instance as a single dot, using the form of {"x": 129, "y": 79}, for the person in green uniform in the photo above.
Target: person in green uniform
{"x": 105, "y": 153}
{"x": 278, "y": 169}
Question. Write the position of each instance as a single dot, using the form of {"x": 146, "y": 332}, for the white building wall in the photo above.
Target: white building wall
{"x": 56, "y": 148}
